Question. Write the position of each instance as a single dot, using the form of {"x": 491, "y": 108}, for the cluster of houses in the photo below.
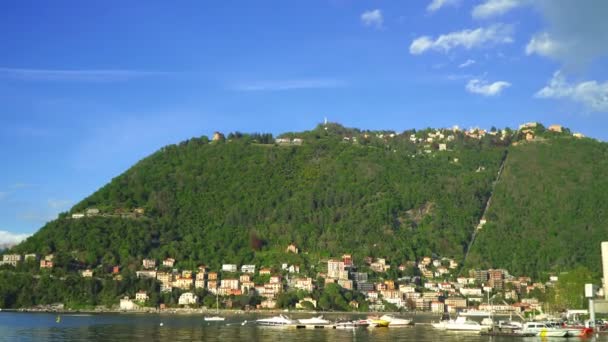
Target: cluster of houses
{"x": 232, "y": 280}
{"x": 123, "y": 213}
{"x": 435, "y": 289}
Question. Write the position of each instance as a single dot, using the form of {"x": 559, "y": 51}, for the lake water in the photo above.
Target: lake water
{"x": 134, "y": 327}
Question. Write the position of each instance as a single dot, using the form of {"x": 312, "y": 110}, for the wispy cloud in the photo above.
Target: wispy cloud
{"x": 437, "y": 4}
{"x": 81, "y": 75}
{"x": 467, "y": 39}
{"x": 481, "y": 87}
{"x": 280, "y": 85}
{"x": 372, "y": 18}
{"x": 8, "y": 238}
{"x": 591, "y": 94}
{"x": 492, "y": 8}
{"x": 467, "y": 63}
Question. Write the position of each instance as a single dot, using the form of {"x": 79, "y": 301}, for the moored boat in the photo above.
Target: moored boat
{"x": 351, "y": 324}
{"x": 459, "y": 324}
{"x": 395, "y": 321}
{"x": 314, "y": 321}
{"x": 214, "y": 319}
{"x": 275, "y": 321}
{"x": 375, "y": 322}
{"x": 543, "y": 330}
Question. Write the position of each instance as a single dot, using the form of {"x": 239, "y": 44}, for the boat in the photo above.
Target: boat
{"x": 363, "y": 323}
{"x": 459, "y": 324}
{"x": 279, "y": 320}
{"x": 395, "y": 321}
{"x": 543, "y": 330}
{"x": 315, "y": 321}
{"x": 375, "y": 322}
{"x": 215, "y": 318}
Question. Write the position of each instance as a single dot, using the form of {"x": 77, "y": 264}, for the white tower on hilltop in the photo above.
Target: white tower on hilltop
{"x": 605, "y": 267}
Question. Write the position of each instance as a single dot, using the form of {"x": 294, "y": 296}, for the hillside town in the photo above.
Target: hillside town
{"x": 432, "y": 284}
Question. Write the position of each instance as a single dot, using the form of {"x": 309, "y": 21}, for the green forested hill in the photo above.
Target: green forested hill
{"x": 239, "y": 200}
{"x": 244, "y": 199}
{"x": 549, "y": 211}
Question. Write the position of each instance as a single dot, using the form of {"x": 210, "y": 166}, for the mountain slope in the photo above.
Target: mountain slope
{"x": 550, "y": 209}
{"x": 241, "y": 201}
{"x": 349, "y": 191}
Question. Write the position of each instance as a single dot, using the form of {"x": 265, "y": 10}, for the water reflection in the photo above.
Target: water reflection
{"x": 41, "y": 327}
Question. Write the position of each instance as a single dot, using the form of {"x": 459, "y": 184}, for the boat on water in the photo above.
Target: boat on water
{"x": 279, "y": 320}
{"x": 376, "y": 322}
{"x": 395, "y": 321}
{"x": 363, "y": 323}
{"x": 458, "y": 324}
{"x": 216, "y": 318}
{"x": 316, "y": 321}
{"x": 543, "y": 330}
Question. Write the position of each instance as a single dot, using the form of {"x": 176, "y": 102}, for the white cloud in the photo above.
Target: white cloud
{"x": 290, "y": 85}
{"x": 575, "y": 34}
{"x": 8, "y": 238}
{"x": 492, "y": 8}
{"x": 372, "y": 18}
{"x": 58, "y": 204}
{"x": 77, "y": 75}
{"x": 467, "y": 63}
{"x": 467, "y": 39}
{"x": 591, "y": 94}
{"x": 476, "y": 86}
{"x": 542, "y": 44}
{"x": 437, "y": 4}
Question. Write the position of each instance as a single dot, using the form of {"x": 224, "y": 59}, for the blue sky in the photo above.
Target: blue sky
{"x": 89, "y": 88}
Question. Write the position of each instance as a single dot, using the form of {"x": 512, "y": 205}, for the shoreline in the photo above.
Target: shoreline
{"x": 226, "y": 312}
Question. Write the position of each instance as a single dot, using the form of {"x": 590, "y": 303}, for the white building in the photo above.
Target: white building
{"x": 141, "y": 296}
{"x": 127, "y": 304}
{"x": 229, "y": 268}
{"x": 248, "y": 269}
{"x": 187, "y": 298}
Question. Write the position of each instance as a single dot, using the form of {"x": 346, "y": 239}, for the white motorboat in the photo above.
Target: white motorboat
{"x": 459, "y": 324}
{"x": 352, "y": 324}
{"x": 314, "y": 321}
{"x": 275, "y": 321}
{"x": 395, "y": 321}
{"x": 214, "y": 319}
{"x": 543, "y": 330}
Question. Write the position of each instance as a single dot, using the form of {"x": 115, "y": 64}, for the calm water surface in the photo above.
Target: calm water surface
{"x": 132, "y": 327}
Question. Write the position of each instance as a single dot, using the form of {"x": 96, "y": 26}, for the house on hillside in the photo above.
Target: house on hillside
{"x": 292, "y": 248}
{"x": 556, "y": 128}
{"x": 229, "y": 268}
{"x": 248, "y": 269}
{"x": 169, "y": 262}
{"x": 187, "y": 298}
{"x": 148, "y": 263}
{"x": 141, "y": 296}
{"x": 127, "y": 304}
